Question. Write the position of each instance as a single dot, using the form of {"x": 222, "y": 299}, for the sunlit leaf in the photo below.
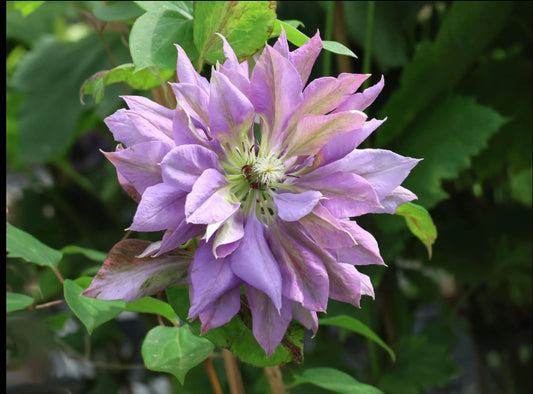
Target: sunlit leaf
{"x": 21, "y": 244}
{"x": 174, "y": 350}
{"x": 153, "y": 36}
{"x": 420, "y": 223}
{"x": 357, "y": 326}
{"x": 245, "y": 24}
{"x": 336, "y": 381}
{"x": 16, "y": 302}
{"x": 91, "y": 312}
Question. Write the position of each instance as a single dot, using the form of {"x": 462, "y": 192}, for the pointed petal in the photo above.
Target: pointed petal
{"x": 365, "y": 252}
{"x": 182, "y": 166}
{"x": 124, "y": 276}
{"x": 183, "y": 129}
{"x": 208, "y": 200}
{"x": 254, "y": 263}
{"x": 344, "y": 282}
{"x": 308, "y": 318}
{"x": 222, "y": 310}
{"x": 304, "y": 57}
{"x": 161, "y": 208}
{"x": 139, "y": 164}
{"x": 229, "y": 236}
{"x": 399, "y": 196}
{"x": 269, "y": 323}
{"x": 281, "y": 45}
{"x": 209, "y": 279}
{"x": 360, "y": 101}
{"x": 159, "y": 116}
{"x": 194, "y": 101}
{"x": 294, "y": 206}
{"x": 276, "y": 89}
{"x": 313, "y": 131}
{"x": 305, "y": 279}
{"x": 174, "y": 238}
{"x": 231, "y": 114}
{"x": 187, "y": 73}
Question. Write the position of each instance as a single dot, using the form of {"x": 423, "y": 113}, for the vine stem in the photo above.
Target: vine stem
{"x": 275, "y": 380}
{"x": 48, "y": 304}
{"x": 58, "y": 274}
{"x": 233, "y": 373}
{"x": 212, "y": 376}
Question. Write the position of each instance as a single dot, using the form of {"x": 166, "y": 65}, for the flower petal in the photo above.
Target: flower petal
{"x": 276, "y": 89}
{"x": 222, "y": 310}
{"x": 159, "y": 116}
{"x": 304, "y": 57}
{"x": 194, "y": 101}
{"x": 308, "y": 318}
{"x": 360, "y": 101}
{"x": 187, "y": 73}
{"x": 124, "y": 276}
{"x": 269, "y": 322}
{"x": 228, "y": 236}
{"x": 208, "y": 200}
{"x": 174, "y": 238}
{"x": 182, "y": 166}
{"x": 365, "y": 252}
{"x": 344, "y": 282}
{"x": 231, "y": 114}
{"x": 139, "y": 164}
{"x": 294, "y": 206}
{"x": 313, "y": 131}
{"x": 161, "y": 208}
{"x": 254, "y": 263}
{"x": 399, "y": 196}
{"x": 209, "y": 279}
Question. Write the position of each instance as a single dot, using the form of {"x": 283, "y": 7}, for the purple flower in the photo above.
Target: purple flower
{"x": 267, "y": 171}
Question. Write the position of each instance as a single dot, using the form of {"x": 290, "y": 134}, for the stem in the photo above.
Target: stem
{"x": 48, "y": 304}
{"x": 58, "y": 274}
{"x": 330, "y": 15}
{"x": 212, "y": 376}
{"x": 340, "y": 35}
{"x": 368, "y": 38}
{"x": 233, "y": 373}
{"x": 275, "y": 380}
{"x": 374, "y": 365}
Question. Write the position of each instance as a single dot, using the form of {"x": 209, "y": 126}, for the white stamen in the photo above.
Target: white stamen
{"x": 268, "y": 169}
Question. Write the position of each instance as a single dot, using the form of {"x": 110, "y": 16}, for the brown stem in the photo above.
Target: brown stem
{"x": 48, "y": 304}
{"x": 340, "y": 35}
{"x": 275, "y": 380}
{"x": 233, "y": 373}
{"x": 58, "y": 274}
{"x": 212, "y": 376}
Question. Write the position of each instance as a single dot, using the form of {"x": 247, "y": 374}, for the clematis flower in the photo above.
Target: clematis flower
{"x": 266, "y": 169}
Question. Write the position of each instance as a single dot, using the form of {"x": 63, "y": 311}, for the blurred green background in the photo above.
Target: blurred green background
{"x": 458, "y": 93}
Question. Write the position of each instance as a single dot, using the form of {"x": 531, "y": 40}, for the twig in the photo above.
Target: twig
{"x": 212, "y": 376}
{"x": 58, "y": 274}
{"x": 275, "y": 380}
{"x": 233, "y": 373}
{"x": 48, "y": 304}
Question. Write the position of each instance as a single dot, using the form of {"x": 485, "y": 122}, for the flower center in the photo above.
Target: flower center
{"x": 268, "y": 170}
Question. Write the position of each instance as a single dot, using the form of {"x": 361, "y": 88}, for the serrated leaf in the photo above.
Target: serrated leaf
{"x": 420, "y": 364}
{"x": 117, "y": 10}
{"x": 438, "y": 66}
{"x": 91, "y": 312}
{"x": 357, "y": 326}
{"x": 144, "y": 79}
{"x": 16, "y": 302}
{"x": 420, "y": 223}
{"x": 237, "y": 335}
{"x": 153, "y": 36}
{"x": 456, "y": 129}
{"x": 336, "y": 381}
{"x": 174, "y": 350}
{"x": 246, "y": 25}
{"x": 21, "y": 244}
{"x": 152, "y": 305}
{"x": 298, "y": 38}
{"x": 183, "y": 7}
{"x": 91, "y": 254}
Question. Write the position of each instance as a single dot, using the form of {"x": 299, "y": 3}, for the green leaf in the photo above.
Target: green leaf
{"x": 420, "y": 223}
{"x": 27, "y": 7}
{"x": 247, "y": 25}
{"x": 174, "y": 350}
{"x": 437, "y": 67}
{"x": 144, "y": 79}
{"x": 521, "y": 186}
{"x": 237, "y": 335}
{"x": 152, "y": 305}
{"x": 447, "y": 136}
{"x": 21, "y": 244}
{"x": 357, "y": 326}
{"x": 116, "y": 10}
{"x": 49, "y": 113}
{"x": 183, "y": 7}
{"x": 420, "y": 364}
{"x": 298, "y": 38}
{"x": 336, "y": 381}
{"x": 91, "y": 254}
{"x": 91, "y": 312}
{"x": 16, "y": 302}
{"x": 153, "y": 36}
